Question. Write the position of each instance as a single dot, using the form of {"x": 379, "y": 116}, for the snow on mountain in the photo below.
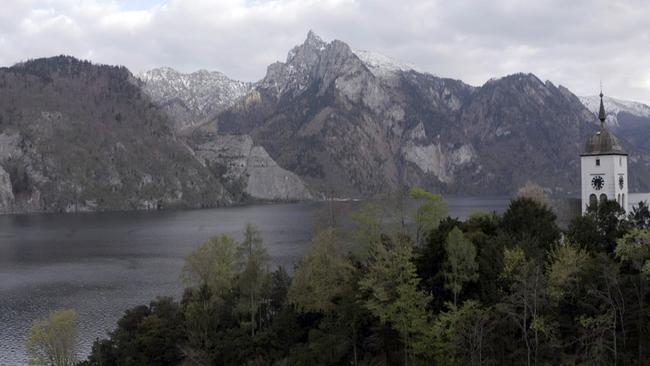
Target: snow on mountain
{"x": 381, "y": 65}
{"x": 615, "y": 106}
{"x": 199, "y": 94}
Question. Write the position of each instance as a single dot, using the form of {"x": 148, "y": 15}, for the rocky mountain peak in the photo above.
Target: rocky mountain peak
{"x": 313, "y": 61}
{"x": 190, "y": 98}
{"x": 313, "y": 40}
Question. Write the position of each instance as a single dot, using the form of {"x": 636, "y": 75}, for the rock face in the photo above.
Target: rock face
{"x": 6, "y": 192}
{"x": 357, "y": 124}
{"x": 191, "y": 98}
{"x": 239, "y": 161}
{"x": 76, "y": 136}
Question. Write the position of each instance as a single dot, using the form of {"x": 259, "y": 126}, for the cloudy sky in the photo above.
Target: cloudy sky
{"x": 575, "y": 43}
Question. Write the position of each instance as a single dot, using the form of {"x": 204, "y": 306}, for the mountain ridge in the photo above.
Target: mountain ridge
{"x": 326, "y": 121}
{"x": 346, "y": 124}
{"x": 190, "y": 98}
{"x": 81, "y": 137}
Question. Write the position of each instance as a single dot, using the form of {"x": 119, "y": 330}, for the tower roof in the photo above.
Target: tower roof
{"x": 603, "y": 142}
{"x": 601, "y": 112}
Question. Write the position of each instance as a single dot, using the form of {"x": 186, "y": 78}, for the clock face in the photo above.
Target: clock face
{"x": 597, "y": 182}
{"x": 620, "y": 182}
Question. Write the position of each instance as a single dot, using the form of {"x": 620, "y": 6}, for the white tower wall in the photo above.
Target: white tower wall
{"x": 611, "y": 168}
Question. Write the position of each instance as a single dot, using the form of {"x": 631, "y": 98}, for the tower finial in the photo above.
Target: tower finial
{"x": 601, "y": 112}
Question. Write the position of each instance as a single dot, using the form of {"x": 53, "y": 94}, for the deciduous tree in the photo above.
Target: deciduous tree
{"x": 253, "y": 260}
{"x": 53, "y": 341}
{"x": 322, "y": 275}
{"x": 392, "y": 295}
{"x": 460, "y": 265}
{"x": 427, "y": 215}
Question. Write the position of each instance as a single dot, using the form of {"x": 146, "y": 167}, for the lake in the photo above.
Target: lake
{"x": 104, "y": 263}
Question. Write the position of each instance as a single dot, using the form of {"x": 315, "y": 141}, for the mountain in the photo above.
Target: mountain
{"x": 616, "y": 107}
{"x": 381, "y": 65}
{"x": 244, "y": 167}
{"x": 328, "y": 120}
{"x": 629, "y": 120}
{"x": 191, "y": 98}
{"x": 76, "y": 136}
{"x": 355, "y": 124}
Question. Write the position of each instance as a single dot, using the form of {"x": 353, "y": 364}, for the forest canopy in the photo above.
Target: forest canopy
{"x": 404, "y": 285}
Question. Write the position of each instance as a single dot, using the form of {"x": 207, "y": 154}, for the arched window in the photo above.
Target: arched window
{"x": 603, "y": 198}
{"x": 593, "y": 201}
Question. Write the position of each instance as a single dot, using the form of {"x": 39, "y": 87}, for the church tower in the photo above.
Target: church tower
{"x": 603, "y": 167}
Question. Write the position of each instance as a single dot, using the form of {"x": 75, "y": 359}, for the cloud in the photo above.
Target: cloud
{"x": 573, "y": 43}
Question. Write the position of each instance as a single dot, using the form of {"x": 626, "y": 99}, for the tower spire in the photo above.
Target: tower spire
{"x": 601, "y": 112}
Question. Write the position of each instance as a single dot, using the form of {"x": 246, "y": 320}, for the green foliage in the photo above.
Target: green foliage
{"x": 430, "y": 259}
{"x": 253, "y": 273}
{"x": 392, "y": 295}
{"x": 430, "y": 210}
{"x": 367, "y": 229}
{"x": 490, "y": 290}
{"x": 323, "y": 274}
{"x": 52, "y": 341}
{"x": 213, "y": 264}
{"x": 531, "y": 224}
{"x": 460, "y": 265}
{"x": 566, "y": 265}
{"x": 640, "y": 216}
{"x": 461, "y": 335}
{"x": 599, "y": 228}
{"x": 145, "y": 335}
{"x": 634, "y": 248}
{"x": 525, "y": 302}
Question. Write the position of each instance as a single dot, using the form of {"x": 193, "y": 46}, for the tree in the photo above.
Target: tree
{"x": 53, "y": 341}
{"x": 145, "y": 335}
{"x": 640, "y": 216}
{"x": 367, "y": 229}
{"x": 532, "y": 225}
{"x": 430, "y": 262}
{"x": 603, "y": 326}
{"x": 460, "y": 265}
{"x": 599, "y": 228}
{"x": 392, "y": 295}
{"x": 461, "y": 334}
{"x": 634, "y": 249}
{"x": 213, "y": 264}
{"x": 567, "y": 262}
{"x": 426, "y": 217}
{"x": 322, "y": 275}
{"x": 525, "y": 300}
{"x": 253, "y": 260}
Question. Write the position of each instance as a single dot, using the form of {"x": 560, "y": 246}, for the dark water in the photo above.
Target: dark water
{"x": 103, "y": 263}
